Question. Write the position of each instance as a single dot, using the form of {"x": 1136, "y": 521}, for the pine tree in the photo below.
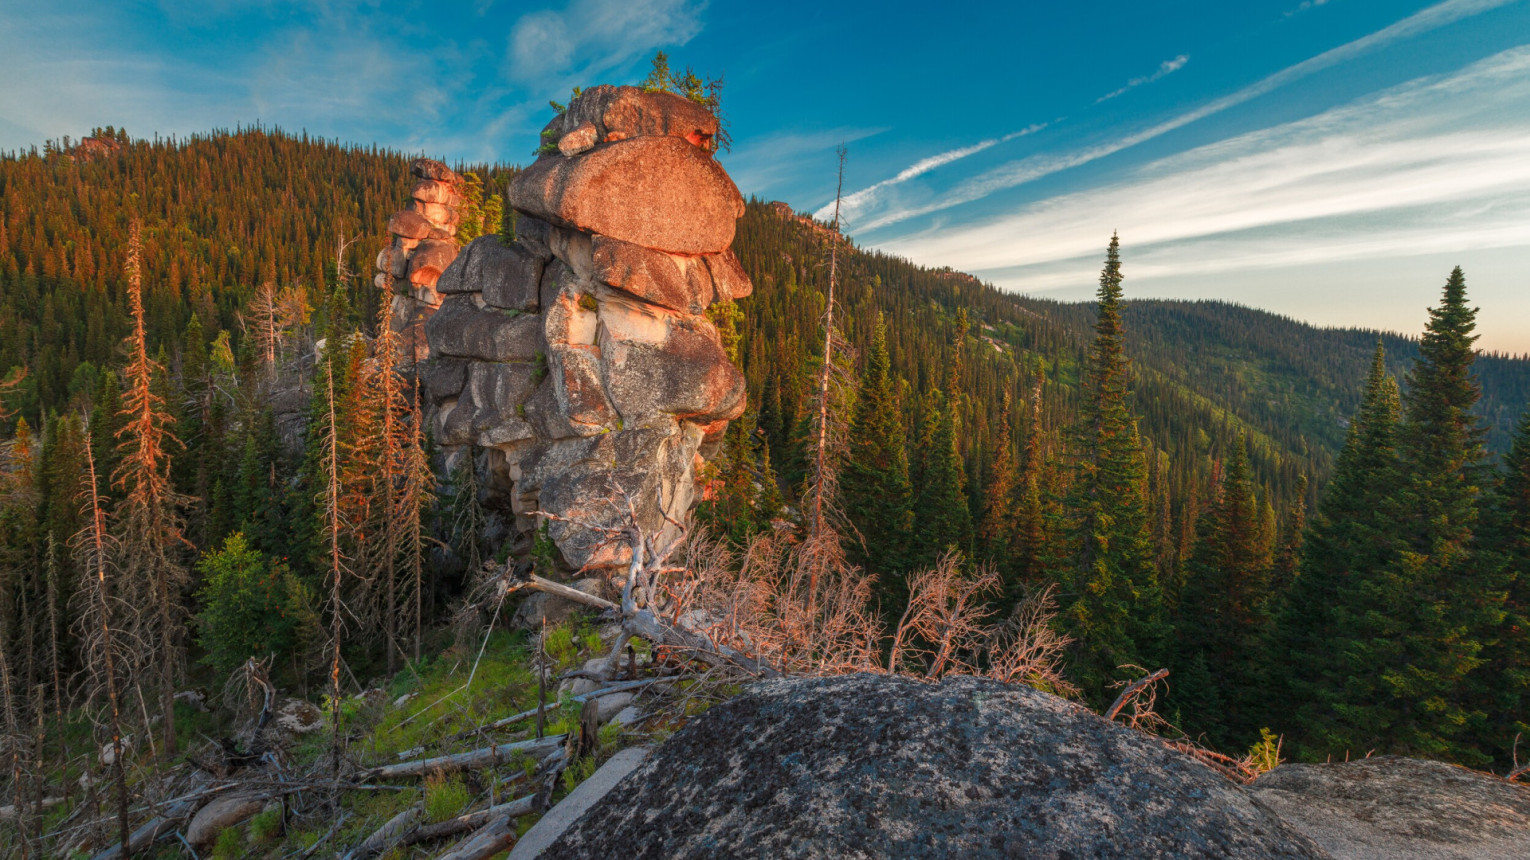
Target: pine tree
{"x": 996, "y": 534}
{"x": 1451, "y": 603}
{"x": 1115, "y": 610}
{"x": 943, "y": 522}
{"x": 1223, "y": 605}
{"x": 1030, "y": 545}
{"x": 1329, "y": 614}
{"x": 1288, "y": 555}
{"x": 1505, "y": 544}
{"x": 875, "y": 484}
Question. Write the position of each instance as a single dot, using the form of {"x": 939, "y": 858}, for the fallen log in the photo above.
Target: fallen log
{"x": 471, "y": 821}
{"x": 9, "y": 812}
{"x": 511, "y": 720}
{"x": 384, "y": 837}
{"x": 537, "y": 748}
{"x": 151, "y": 832}
{"x": 487, "y": 842}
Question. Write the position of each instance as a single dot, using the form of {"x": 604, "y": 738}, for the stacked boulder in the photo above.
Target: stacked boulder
{"x": 424, "y": 246}
{"x": 577, "y": 359}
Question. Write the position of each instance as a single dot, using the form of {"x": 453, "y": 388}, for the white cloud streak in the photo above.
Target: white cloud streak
{"x": 1165, "y": 68}
{"x": 860, "y": 199}
{"x": 1035, "y": 167}
{"x": 1438, "y": 165}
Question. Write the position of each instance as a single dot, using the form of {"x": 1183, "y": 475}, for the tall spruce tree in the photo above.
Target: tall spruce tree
{"x": 874, "y": 486}
{"x": 1329, "y": 614}
{"x": 1450, "y": 601}
{"x": 1114, "y": 608}
{"x": 997, "y": 530}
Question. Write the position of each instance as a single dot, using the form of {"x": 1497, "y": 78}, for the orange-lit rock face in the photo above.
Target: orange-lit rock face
{"x": 658, "y": 192}
{"x": 576, "y": 363}
{"x": 423, "y": 248}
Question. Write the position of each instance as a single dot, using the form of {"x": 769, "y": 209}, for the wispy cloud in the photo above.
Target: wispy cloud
{"x": 1035, "y": 167}
{"x": 774, "y": 159}
{"x": 1305, "y": 5}
{"x": 590, "y": 37}
{"x": 1435, "y": 165}
{"x": 862, "y": 198}
{"x": 1165, "y": 68}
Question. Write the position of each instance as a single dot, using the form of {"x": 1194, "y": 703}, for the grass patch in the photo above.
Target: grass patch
{"x": 266, "y": 826}
{"x": 444, "y": 798}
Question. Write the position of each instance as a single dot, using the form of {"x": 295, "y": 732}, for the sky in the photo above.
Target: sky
{"x": 1330, "y": 160}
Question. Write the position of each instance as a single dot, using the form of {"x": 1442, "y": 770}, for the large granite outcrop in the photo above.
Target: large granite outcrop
{"x": 1390, "y": 807}
{"x": 867, "y": 766}
{"x": 575, "y": 363}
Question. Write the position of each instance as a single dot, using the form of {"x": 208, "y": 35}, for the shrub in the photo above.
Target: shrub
{"x": 248, "y": 606}
{"x": 267, "y": 825}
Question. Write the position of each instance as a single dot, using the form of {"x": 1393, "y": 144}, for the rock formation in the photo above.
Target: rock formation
{"x": 866, "y": 766}
{"x": 1389, "y": 806}
{"x": 576, "y": 361}
{"x": 424, "y": 246}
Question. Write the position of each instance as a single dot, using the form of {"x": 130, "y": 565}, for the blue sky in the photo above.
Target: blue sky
{"x": 1326, "y": 159}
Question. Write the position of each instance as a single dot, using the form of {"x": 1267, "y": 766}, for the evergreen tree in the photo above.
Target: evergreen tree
{"x": 943, "y": 521}
{"x": 1114, "y": 613}
{"x": 874, "y": 486}
{"x": 997, "y": 532}
{"x": 1223, "y": 607}
{"x": 148, "y": 517}
{"x": 1505, "y": 544}
{"x": 1288, "y": 555}
{"x": 1030, "y": 545}
{"x": 1451, "y": 601}
{"x": 1329, "y": 614}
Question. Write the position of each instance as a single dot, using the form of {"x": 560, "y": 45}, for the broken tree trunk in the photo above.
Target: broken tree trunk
{"x": 538, "y": 749}
{"x": 487, "y": 842}
{"x": 471, "y": 821}
{"x": 384, "y": 837}
{"x": 511, "y": 720}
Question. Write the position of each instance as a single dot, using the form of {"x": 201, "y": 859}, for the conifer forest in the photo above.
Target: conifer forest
{"x": 214, "y": 481}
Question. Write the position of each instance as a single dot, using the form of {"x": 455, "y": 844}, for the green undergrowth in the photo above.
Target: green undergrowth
{"x": 453, "y": 692}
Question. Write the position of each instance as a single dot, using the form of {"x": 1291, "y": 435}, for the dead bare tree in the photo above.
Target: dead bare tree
{"x": 941, "y": 630}
{"x": 149, "y": 515}
{"x": 107, "y": 650}
{"x": 337, "y": 562}
{"x": 270, "y": 318}
{"x": 1028, "y": 649}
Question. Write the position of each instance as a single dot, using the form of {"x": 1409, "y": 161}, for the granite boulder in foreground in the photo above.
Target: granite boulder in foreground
{"x": 1390, "y": 806}
{"x": 867, "y": 766}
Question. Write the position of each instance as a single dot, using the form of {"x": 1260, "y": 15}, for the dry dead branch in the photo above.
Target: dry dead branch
{"x": 1028, "y": 649}
{"x": 1132, "y": 691}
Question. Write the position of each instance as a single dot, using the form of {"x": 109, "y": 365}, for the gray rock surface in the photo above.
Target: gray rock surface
{"x": 866, "y": 766}
{"x": 460, "y": 328}
{"x": 589, "y": 792}
{"x": 1393, "y": 807}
